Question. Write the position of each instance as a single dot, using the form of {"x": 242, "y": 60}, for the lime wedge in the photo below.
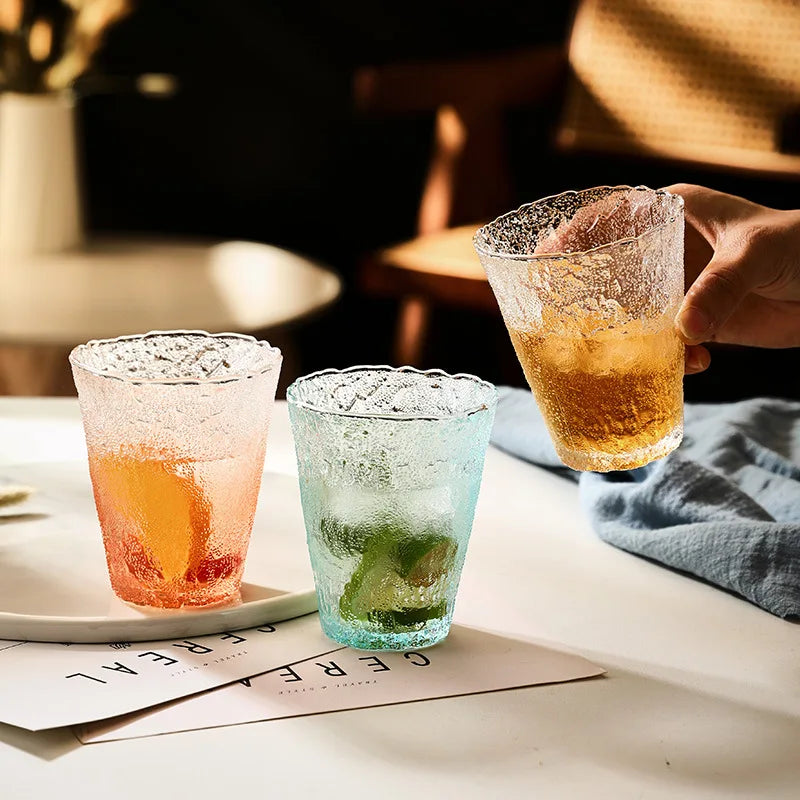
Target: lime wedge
{"x": 423, "y": 560}
{"x": 373, "y": 585}
{"x": 384, "y": 589}
{"x": 346, "y": 539}
{"x": 343, "y": 539}
{"x": 400, "y": 618}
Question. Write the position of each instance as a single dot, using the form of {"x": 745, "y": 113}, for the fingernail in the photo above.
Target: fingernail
{"x": 694, "y": 324}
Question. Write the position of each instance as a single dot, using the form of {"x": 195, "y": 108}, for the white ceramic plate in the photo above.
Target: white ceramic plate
{"x": 53, "y": 580}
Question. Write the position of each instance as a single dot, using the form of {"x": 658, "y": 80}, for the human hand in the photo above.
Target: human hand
{"x": 743, "y": 273}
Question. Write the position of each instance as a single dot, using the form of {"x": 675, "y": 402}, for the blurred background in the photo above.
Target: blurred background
{"x": 365, "y": 141}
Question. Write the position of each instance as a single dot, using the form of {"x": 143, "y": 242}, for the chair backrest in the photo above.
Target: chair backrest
{"x": 709, "y": 81}
{"x": 468, "y": 176}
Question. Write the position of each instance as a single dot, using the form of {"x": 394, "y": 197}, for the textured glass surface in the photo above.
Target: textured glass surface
{"x": 390, "y": 464}
{"x": 176, "y": 357}
{"x": 589, "y": 284}
{"x": 176, "y": 427}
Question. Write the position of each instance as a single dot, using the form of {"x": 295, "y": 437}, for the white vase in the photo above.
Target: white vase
{"x": 40, "y": 207}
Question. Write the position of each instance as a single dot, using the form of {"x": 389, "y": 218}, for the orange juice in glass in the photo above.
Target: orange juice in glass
{"x": 176, "y": 426}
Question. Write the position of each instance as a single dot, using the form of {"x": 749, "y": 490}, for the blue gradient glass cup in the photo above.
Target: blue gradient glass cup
{"x": 390, "y": 463}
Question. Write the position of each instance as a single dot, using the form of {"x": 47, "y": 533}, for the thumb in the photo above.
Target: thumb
{"x": 714, "y": 296}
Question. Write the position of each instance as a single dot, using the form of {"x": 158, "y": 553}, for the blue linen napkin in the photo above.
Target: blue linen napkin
{"x": 724, "y": 506}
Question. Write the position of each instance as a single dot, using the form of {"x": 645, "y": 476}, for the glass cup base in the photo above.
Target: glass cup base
{"x": 159, "y": 599}
{"x": 433, "y": 632}
{"x": 598, "y": 461}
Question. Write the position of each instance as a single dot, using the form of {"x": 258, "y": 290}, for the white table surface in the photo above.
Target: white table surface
{"x": 701, "y": 700}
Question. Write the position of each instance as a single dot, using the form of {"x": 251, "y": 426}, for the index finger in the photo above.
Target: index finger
{"x": 709, "y": 211}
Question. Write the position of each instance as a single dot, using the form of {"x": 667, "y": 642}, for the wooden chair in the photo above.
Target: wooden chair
{"x": 468, "y": 176}
{"x": 690, "y": 82}
{"x": 678, "y": 80}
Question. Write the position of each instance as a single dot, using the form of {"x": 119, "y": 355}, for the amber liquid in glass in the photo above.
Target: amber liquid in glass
{"x": 176, "y": 530}
{"x": 612, "y": 399}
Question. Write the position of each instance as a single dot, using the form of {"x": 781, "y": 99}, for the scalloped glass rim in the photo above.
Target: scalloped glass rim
{"x": 275, "y": 356}
{"x": 480, "y": 234}
{"x": 491, "y": 399}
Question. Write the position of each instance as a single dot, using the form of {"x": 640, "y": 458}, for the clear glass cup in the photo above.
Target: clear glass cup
{"x": 390, "y": 463}
{"x": 589, "y": 284}
{"x": 176, "y": 427}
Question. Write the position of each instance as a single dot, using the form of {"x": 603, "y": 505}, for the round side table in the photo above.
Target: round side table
{"x": 116, "y": 286}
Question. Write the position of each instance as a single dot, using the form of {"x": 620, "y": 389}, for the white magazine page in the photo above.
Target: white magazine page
{"x": 51, "y": 685}
{"x": 469, "y": 661}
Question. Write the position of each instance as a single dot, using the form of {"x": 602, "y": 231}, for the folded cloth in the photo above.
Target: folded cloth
{"x": 724, "y": 506}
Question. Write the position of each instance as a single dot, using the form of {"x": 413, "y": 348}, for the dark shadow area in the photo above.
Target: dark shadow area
{"x": 261, "y": 141}
{"x": 6, "y": 519}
